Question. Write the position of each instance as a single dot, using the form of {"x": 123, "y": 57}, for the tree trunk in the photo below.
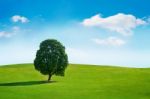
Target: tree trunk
{"x": 49, "y": 77}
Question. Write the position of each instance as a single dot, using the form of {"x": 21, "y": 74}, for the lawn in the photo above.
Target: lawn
{"x": 80, "y": 82}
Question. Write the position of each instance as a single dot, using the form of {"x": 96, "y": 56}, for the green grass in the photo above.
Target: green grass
{"x": 80, "y": 82}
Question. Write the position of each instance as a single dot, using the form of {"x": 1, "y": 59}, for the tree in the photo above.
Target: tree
{"x": 51, "y": 58}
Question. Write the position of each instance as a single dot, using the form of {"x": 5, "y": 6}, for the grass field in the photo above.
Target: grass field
{"x": 80, "y": 82}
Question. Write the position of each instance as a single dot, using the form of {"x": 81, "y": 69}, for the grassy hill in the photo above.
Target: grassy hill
{"x": 80, "y": 82}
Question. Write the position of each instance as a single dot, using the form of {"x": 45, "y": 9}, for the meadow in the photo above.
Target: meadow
{"x": 22, "y": 81}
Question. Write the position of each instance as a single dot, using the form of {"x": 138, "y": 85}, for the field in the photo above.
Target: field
{"x": 80, "y": 82}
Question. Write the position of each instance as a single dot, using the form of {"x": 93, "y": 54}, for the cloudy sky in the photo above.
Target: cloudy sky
{"x": 114, "y": 32}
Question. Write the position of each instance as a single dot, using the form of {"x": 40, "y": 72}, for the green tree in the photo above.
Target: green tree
{"x": 51, "y": 58}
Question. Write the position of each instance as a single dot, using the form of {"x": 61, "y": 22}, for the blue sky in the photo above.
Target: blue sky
{"x": 113, "y": 32}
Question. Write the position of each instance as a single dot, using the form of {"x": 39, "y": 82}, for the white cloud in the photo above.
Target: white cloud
{"x": 8, "y": 34}
{"x": 16, "y": 28}
{"x": 18, "y": 18}
{"x": 5, "y": 34}
{"x": 113, "y": 41}
{"x": 120, "y": 23}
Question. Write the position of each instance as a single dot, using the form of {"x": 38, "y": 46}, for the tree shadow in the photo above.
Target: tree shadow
{"x": 26, "y": 83}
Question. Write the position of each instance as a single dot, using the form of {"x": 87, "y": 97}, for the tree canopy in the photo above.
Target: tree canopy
{"x": 51, "y": 58}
